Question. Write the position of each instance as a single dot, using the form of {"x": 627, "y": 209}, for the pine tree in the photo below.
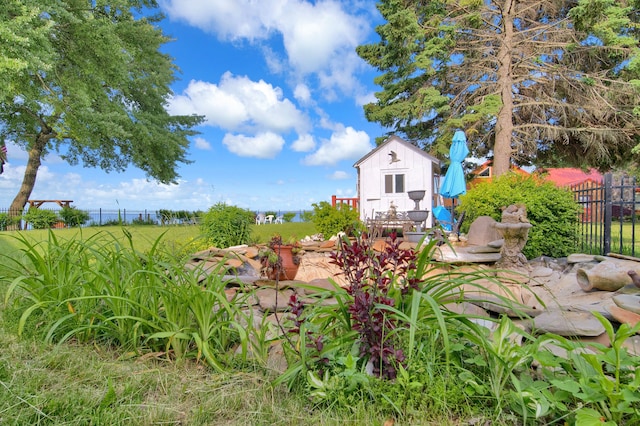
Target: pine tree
{"x": 553, "y": 82}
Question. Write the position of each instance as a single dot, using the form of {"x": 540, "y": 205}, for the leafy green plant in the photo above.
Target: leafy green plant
{"x": 288, "y": 217}
{"x": 552, "y": 211}
{"x": 306, "y": 216}
{"x": 7, "y": 221}
{"x": 41, "y": 218}
{"x": 603, "y": 383}
{"x": 393, "y": 319}
{"x": 225, "y": 226}
{"x": 99, "y": 290}
{"x": 73, "y": 217}
{"x": 330, "y": 220}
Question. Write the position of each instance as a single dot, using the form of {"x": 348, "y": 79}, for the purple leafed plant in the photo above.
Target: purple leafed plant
{"x": 375, "y": 278}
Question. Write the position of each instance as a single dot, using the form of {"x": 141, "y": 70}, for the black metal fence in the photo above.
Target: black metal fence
{"x": 609, "y": 215}
{"x": 103, "y": 217}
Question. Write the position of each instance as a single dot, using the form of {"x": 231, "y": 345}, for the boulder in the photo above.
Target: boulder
{"x": 568, "y": 324}
{"x": 482, "y": 232}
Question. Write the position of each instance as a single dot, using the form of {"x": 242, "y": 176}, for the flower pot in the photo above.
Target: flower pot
{"x": 289, "y": 265}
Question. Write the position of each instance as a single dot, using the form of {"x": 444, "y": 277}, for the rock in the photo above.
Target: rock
{"x": 271, "y": 300}
{"x": 629, "y": 302}
{"x": 329, "y": 244}
{"x": 580, "y": 258}
{"x": 321, "y": 284}
{"x": 541, "y": 271}
{"x": 635, "y": 278}
{"x": 460, "y": 255}
{"x": 496, "y": 244}
{"x": 624, "y": 316}
{"x": 466, "y": 308}
{"x": 380, "y": 245}
{"x": 482, "y": 231}
{"x": 567, "y": 323}
{"x": 632, "y": 345}
{"x": 602, "y": 339}
{"x": 483, "y": 249}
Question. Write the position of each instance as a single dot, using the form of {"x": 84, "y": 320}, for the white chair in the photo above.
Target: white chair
{"x": 260, "y": 218}
{"x": 268, "y": 218}
{"x": 279, "y": 219}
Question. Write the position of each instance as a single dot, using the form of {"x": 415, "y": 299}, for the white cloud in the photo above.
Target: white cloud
{"x": 302, "y": 93}
{"x": 263, "y": 145}
{"x": 346, "y": 144}
{"x": 238, "y": 103}
{"x": 367, "y": 98}
{"x": 202, "y": 143}
{"x": 229, "y": 19}
{"x": 304, "y": 143}
{"x": 339, "y": 175}
{"x": 318, "y": 37}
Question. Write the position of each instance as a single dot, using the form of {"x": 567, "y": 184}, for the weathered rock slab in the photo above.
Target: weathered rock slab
{"x": 630, "y": 302}
{"x": 567, "y": 323}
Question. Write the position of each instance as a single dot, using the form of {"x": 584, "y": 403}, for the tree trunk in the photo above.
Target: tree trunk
{"x": 504, "y": 124}
{"x": 29, "y": 179}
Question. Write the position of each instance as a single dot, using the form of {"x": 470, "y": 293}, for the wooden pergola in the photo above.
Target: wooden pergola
{"x": 37, "y": 203}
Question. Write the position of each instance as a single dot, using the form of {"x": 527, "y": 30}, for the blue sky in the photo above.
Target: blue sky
{"x": 282, "y": 91}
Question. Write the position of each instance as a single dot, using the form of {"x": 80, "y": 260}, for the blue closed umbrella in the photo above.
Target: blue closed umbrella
{"x": 454, "y": 183}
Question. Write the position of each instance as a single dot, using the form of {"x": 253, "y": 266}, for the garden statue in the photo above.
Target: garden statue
{"x": 514, "y": 228}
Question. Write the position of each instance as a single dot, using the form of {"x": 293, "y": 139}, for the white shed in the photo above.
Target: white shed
{"x": 388, "y": 172}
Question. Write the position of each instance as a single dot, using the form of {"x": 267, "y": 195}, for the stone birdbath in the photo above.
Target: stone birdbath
{"x": 417, "y": 216}
{"x": 514, "y": 229}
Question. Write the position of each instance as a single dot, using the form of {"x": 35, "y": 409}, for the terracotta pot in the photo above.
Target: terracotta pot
{"x": 607, "y": 276}
{"x": 289, "y": 267}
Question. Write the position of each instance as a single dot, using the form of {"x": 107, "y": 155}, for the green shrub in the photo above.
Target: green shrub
{"x": 331, "y": 220}
{"x": 41, "y": 219}
{"x": 288, "y": 217}
{"x": 552, "y": 211}
{"x": 225, "y": 226}
{"x": 74, "y": 217}
{"x": 6, "y": 221}
{"x": 168, "y": 217}
{"x": 306, "y": 216}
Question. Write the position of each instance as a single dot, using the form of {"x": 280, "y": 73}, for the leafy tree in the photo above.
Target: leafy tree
{"x": 93, "y": 87}
{"x": 25, "y": 46}
{"x": 555, "y": 82}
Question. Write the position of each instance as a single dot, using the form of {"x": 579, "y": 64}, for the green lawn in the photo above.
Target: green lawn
{"x": 145, "y": 236}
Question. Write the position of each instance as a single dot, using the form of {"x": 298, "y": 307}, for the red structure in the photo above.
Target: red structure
{"x": 353, "y": 202}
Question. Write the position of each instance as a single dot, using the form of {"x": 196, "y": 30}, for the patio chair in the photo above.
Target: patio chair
{"x": 260, "y": 218}
{"x": 279, "y": 219}
{"x": 268, "y": 218}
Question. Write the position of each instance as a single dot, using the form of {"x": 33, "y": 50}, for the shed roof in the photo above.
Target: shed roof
{"x": 409, "y": 145}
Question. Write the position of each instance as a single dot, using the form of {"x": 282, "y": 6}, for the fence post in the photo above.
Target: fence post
{"x": 608, "y": 200}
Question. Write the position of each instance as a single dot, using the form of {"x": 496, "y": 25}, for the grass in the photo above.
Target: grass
{"x": 99, "y": 330}
{"x": 77, "y": 384}
{"x": 145, "y": 236}
{"x": 623, "y": 240}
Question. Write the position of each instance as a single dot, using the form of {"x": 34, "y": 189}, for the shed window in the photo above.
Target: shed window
{"x": 393, "y": 183}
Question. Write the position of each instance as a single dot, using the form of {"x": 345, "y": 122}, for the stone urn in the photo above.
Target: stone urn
{"x": 607, "y": 276}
